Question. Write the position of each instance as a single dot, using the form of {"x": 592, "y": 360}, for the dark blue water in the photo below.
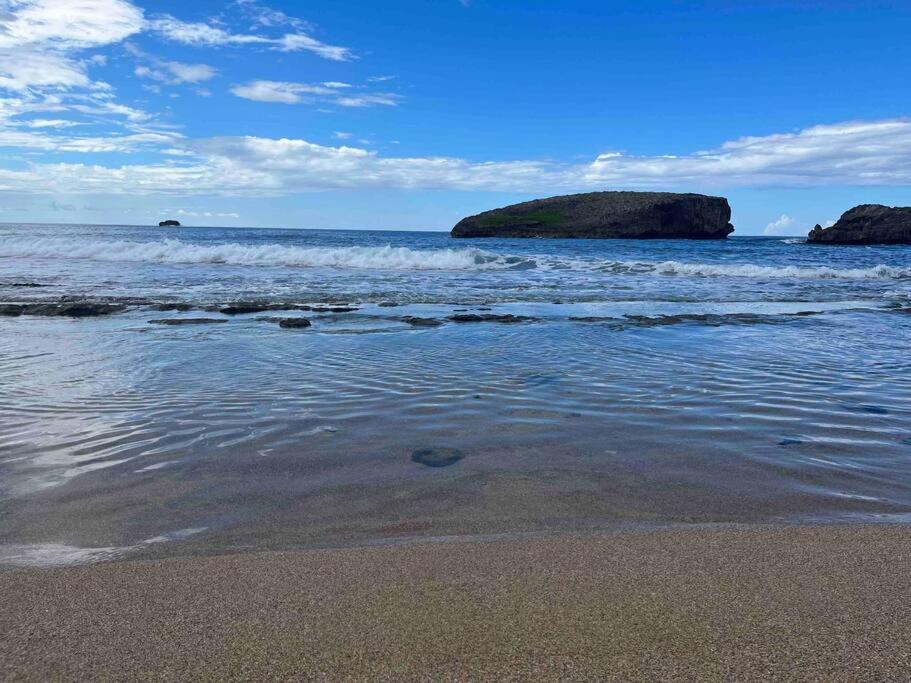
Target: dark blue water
{"x": 755, "y": 379}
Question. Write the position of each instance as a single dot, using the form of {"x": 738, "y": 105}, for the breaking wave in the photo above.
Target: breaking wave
{"x": 173, "y": 251}
{"x": 177, "y": 252}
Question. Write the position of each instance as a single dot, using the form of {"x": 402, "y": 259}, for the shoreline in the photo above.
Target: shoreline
{"x": 803, "y": 602}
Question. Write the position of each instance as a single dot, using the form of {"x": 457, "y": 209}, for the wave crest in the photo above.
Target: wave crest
{"x": 178, "y": 252}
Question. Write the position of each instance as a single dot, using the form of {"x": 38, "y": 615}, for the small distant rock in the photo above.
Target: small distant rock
{"x": 169, "y": 224}
{"x": 187, "y": 321}
{"x": 294, "y": 323}
{"x": 437, "y": 457}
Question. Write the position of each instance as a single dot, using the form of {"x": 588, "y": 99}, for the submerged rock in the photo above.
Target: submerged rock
{"x": 187, "y": 321}
{"x": 416, "y": 321}
{"x": 330, "y": 309}
{"x": 490, "y": 318}
{"x": 173, "y": 306}
{"x": 437, "y": 457}
{"x": 243, "y": 308}
{"x": 867, "y": 224}
{"x": 294, "y": 323}
{"x": 617, "y": 215}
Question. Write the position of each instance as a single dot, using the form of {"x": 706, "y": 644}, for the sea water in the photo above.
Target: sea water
{"x": 638, "y": 382}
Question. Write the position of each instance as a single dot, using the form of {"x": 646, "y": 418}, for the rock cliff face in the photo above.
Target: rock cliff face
{"x": 867, "y": 224}
{"x": 616, "y": 215}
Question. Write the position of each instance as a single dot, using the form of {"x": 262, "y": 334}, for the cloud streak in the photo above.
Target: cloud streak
{"x": 207, "y": 35}
{"x": 285, "y": 92}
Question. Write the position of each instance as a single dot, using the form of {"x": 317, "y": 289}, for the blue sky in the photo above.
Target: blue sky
{"x": 414, "y": 113}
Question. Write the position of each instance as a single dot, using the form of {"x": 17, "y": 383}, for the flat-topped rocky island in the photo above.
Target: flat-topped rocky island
{"x": 607, "y": 215}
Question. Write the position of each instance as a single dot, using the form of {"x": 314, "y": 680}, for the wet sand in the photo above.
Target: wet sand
{"x": 733, "y": 602}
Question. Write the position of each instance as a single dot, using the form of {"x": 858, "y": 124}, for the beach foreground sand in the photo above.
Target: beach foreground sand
{"x": 809, "y": 602}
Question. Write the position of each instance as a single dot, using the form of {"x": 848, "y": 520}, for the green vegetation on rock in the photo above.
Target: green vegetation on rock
{"x": 495, "y": 220}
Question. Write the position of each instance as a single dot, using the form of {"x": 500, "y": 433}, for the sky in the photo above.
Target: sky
{"x": 410, "y": 114}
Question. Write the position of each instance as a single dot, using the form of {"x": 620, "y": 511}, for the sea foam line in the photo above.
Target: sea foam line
{"x": 878, "y": 272}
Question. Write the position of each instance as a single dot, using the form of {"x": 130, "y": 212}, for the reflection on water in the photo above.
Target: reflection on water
{"x": 273, "y": 437}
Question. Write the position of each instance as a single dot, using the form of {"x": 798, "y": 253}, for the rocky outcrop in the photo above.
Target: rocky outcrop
{"x": 609, "y": 215}
{"x": 867, "y": 224}
{"x": 169, "y": 224}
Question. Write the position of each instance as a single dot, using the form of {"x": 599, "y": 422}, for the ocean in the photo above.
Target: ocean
{"x": 444, "y": 388}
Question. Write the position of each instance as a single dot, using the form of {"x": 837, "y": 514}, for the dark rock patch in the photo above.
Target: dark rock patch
{"x": 416, "y": 321}
{"x": 388, "y": 304}
{"x": 294, "y": 323}
{"x": 170, "y": 223}
{"x": 25, "y": 285}
{"x": 867, "y": 224}
{"x": 437, "y": 457}
{"x": 244, "y": 308}
{"x": 606, "y": 215}
{"x": 82, "y": 309}
{"x": 331, "y": 309}
{"x": 187, "y": 321}
{"x": 591, "y": 319}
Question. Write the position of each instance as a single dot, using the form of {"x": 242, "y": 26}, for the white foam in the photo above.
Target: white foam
{"x": 177, "y": 251}
{"x": 878, "y": 272}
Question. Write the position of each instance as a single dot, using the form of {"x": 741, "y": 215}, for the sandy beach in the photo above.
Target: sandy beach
{"x": 731, "y": 602}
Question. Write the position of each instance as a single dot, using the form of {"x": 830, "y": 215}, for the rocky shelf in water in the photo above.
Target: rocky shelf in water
{"x": 867, "y": 224}
{"x": 607, "y": 215}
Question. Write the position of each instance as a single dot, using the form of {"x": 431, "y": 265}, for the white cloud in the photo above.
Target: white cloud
{"x": 294, "y": 42}
{"x": 202, "y": 34}
{"x": 170, "y": 72}
{"x": 175, "y": 73}
{"x": 68, "y": 24}
{"x": 369, "y": 99}
{"x": 199, "y": 33}
{"x": 279, "y": 91}
{"x": 855, "y": 153}
{"x": 39, "y": 39}
{"x": 337, "y": 85}
{"x": 22, "y": 70}
{"x": 285, "y": 92}
{"x": 783, "y": 225}
{"x": 50, "y": 123}
{"x": 341, "y": 135}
